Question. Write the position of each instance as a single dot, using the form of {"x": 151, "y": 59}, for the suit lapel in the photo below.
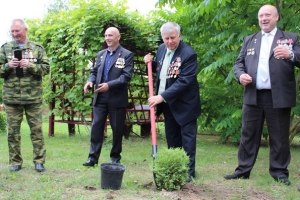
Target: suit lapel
{"x": 177, "y": 52}
{"x": 102, "y": 63}
{"x": 257, "y": 43}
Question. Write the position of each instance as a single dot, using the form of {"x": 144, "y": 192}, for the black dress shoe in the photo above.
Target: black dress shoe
{"x": 39, "y": 167}
{"x": 15, "y": 168}
{"x": 236, "y": 176}
{"x": 283, "y": 180}
{"x": 90, "y": 163}
{"x": 115, "y": 160}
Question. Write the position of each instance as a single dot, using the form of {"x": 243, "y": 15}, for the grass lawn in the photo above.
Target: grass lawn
{"x": 66, "y": 178}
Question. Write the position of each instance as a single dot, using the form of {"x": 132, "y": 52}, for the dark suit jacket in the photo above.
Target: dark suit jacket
{"x": 282, "y": 75}
{"x": 182, "y": 91}
{"x": 118, "y": 76}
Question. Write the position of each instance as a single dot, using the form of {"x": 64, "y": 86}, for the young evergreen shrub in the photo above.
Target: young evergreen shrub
{"x": 171, "y": 169}
{"x": 2, "y": 122}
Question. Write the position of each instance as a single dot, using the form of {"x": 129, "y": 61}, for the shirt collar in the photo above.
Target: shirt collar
{"x": 171, "y": 51}
{"x": 112, "y": 52}
{"x": 273, "y": 32}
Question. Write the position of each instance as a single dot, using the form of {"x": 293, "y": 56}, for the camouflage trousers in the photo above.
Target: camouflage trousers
{"x": 14, "y": 117}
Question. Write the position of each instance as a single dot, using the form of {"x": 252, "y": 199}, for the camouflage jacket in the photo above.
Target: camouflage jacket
{"x": 28, "y": 89}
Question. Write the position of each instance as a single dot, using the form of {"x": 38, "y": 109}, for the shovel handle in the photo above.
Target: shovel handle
{"x": 152, "y": 112}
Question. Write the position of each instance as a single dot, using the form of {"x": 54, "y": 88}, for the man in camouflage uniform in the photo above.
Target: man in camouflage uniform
{"x": 22, "y": 91}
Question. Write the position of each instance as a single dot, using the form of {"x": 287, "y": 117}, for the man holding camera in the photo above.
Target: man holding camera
{"x": 22, "y": 65}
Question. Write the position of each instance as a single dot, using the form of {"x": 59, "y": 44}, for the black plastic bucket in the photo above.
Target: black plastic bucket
{"x": 111, "y": 175}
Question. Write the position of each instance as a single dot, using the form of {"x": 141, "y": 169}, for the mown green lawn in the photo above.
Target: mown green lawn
{"x": 66, "y": 178}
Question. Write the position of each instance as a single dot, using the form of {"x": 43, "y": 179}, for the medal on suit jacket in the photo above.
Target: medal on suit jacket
{"x": 169, "y": 72}
{"x": 159, "y": 64}
{"x": 101, "y": 58}
{"x": 250, "y": 52}
{"x": 120, "y": 63}
{"x": 290, "y": 41}
{"x": 285, "y": 43}
{"x": 173, "y": 70}
{"x": 278, "y": 43}
{"x": 178, "y": 65}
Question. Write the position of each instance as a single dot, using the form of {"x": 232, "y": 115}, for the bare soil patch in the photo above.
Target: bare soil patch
{"x": 214, "y": 191}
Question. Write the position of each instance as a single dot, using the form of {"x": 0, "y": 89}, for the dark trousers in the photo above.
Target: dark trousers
{"x": 278, "y": 122}
{"x": 183, "y": 136}
{"x": 116, "y": 120}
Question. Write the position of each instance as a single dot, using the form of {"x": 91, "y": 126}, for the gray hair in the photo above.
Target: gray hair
{"x": 169, "y": 27}
{"x": 23, "y": 23}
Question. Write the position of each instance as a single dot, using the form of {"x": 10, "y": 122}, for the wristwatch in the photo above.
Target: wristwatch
{"x": 291, "y": 55}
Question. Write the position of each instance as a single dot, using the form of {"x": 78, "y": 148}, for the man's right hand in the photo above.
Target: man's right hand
{"x": 14, "y": 63}
{"x": 148, "y": 58}
{"x": 87, "y": 86}
{"x": 245, "y": 79}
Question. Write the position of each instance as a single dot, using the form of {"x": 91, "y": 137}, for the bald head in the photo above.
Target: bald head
{"x": 112, "y": 38}
{"x": 113, "y": 29}
{"x": 267, "y": 18}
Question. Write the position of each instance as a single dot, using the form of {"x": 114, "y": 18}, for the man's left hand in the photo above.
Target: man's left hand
{"x": 154, "y": 100}
{"x": 24, "y": 63}
{"x": 103, "y": 87}
{"x": 281, "y": 52}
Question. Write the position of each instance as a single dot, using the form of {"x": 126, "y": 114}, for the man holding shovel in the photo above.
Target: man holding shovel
{"x": 177, "y": 91}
